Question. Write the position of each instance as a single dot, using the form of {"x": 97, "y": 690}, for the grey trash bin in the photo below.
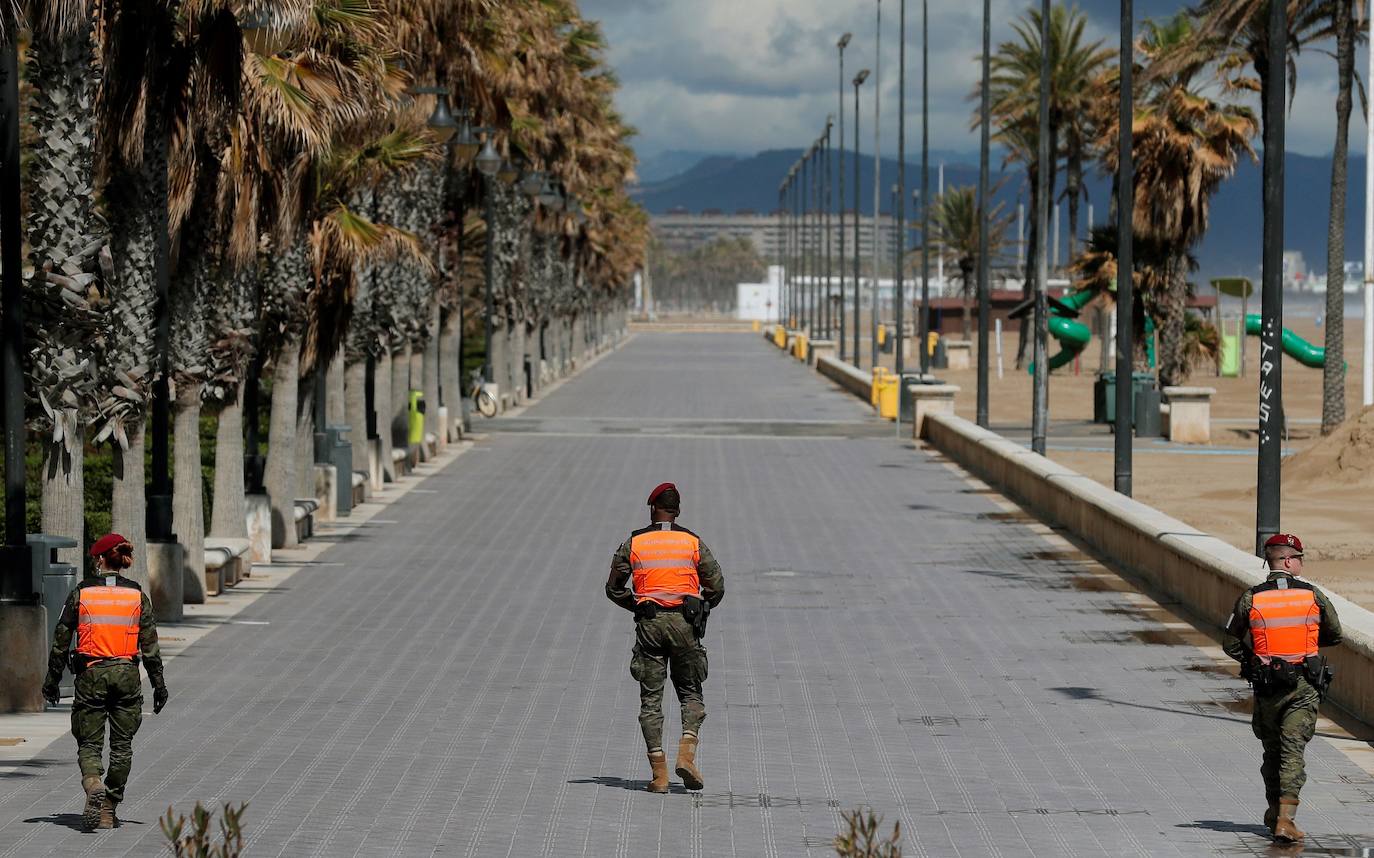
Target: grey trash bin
{"x": 53, "y": 582}
{"x": 1147, "y": 423}
{"x": 340, "y": 452}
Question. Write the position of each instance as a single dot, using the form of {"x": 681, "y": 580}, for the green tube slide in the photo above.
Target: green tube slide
{"x": 1073, "y": 336}
{"x": 1293, "y": 345}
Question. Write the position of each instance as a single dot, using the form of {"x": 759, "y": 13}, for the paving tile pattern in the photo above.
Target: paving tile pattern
{"x": 456, "y": 684}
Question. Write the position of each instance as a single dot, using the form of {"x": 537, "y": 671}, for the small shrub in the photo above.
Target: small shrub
{"x": 196, "y": 843}
{"x": 861, "y": 839}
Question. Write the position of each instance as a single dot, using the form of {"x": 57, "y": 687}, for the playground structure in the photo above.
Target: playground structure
{"x": 1232, "y": 358}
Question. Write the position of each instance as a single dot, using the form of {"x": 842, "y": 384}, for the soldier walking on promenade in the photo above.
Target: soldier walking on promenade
{"x": 1274, "y": 633}
{"x": 668, "y": 578}
{"x": 113, "y": 621}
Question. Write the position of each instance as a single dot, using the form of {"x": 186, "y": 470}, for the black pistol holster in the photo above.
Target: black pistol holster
{"x": 646, "y": 610}
{"x": 1318, "y": 673}
{"x": 1274, "y": 677}
{"x": 695, "y": 611}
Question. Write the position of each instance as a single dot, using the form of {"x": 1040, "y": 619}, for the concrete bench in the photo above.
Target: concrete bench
{"x": 1188, "y": 414}
{"x": 816, "y": 348}
{"x": 431, "y": 445}
{"x": 229, "y": 557}
{"x": 958, "y": 354}
{"x": 360, "y": 480}
{"x": 929, "y": 399}
{"x": 305, "y": 509}
{"x": 855, "y": 381}
{"x": 400, "y": 461}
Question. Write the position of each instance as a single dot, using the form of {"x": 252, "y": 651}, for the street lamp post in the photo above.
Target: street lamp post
{"x": 858, "y": 290}
{"x": 808, "y": 261}
{"x": 15, "y": 584}
{"x": 488, "y": 161}
{"x": 1125, "y": 259}
{"x": 1040, "y": 406}
{"x": 984, "y": 302}
{"x": 828, "y": 325}
{"x": 924, "y": 334}
{"x": 877, "y": 175}
{"x": 899, "y": 200}
{"x": 844, "y": 42}
{"x": 1267, "y": 508}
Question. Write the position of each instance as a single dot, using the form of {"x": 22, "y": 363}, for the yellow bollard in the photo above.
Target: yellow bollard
{"x": 780, "y": 337}
{"x": 882, "y": 335}
{"x": 932, "y": 337}
{"x": 803, "y": 347}
{"x": 756, "y": 326}
{"x": 887, "y": 397}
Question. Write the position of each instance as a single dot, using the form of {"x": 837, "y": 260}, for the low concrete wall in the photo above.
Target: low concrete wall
{"x": 855, "y": 381}
{"x": 1205, "y": 574}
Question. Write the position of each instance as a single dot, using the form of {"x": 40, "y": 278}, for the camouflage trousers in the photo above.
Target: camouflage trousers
{"x": 111, "y": 694}
{"x": 666, "y": 646}
{"x": 1284, "y": 724}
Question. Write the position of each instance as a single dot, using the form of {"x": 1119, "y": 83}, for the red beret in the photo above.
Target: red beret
{"x": 107, "y": 543}
{"x": 1287, "y": 539}
{"x": 658, "y": 490}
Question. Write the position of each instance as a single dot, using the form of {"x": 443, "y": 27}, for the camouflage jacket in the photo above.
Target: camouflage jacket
{"x": 1237, "y": 642}
{"x": 708, "y": 570}
{"x": 66, "y": 627}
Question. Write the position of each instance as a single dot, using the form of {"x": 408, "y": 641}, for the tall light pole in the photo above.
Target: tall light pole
{"x": 1369, "y": 236}
{"x": 15, "y": 582}
{"x": 984, "y": 302}
{"x": 781, "y": 242}
{"x": 924, "y": 327}
{"x": 877, "y": 174}
{"x": 826, "y": 309}
{"x": 488, "y": 161}
{"x": 1125, "y": 258}
{"x": 804, "y": 206}
{"x": 842, "y": 44}
{"x": 858, "y": 289}
{"x": 1040, "y": 406}
{"x": 899, "y": 203}
{"x": 1267, "y": 506}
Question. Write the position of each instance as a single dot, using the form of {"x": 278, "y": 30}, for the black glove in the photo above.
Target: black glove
{"x": 159, "y": 698}
{"x": 50, "y": 693}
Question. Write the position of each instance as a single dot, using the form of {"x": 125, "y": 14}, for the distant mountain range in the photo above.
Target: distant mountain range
{"x": 733, "y": 183}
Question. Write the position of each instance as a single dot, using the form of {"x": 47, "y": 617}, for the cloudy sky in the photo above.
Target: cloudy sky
{"x": 745, "y": 75}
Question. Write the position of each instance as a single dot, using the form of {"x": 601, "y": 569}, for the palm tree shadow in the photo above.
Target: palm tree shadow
{"x": 623, "y": 783}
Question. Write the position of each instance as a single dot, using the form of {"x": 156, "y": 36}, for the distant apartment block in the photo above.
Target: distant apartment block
{"x": 681, "y": 231}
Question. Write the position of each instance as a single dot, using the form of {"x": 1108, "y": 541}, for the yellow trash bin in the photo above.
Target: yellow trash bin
{"x": 887, "y": 396}
{"x": 882, "y": 335}
{"x": 932, "y": 337}
{"x": 878, "y": 373}
{"x": 756, "y": 326}
{"x": 803, "y": 347}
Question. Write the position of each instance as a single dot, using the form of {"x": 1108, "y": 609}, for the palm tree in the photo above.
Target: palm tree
{"x": 1014, "y": 83}
{"x": 954, "y": 218}
{"x": 1186, "y": 144}
{"x": 1333, "y": 371}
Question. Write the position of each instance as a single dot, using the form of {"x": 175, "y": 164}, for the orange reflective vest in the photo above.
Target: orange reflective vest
{"x": 664, "y": 563}
{"x": 107, "y": 622}
{"x": 1284, "y": 621}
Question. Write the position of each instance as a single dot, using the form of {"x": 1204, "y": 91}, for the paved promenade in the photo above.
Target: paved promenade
{"x": 450, "y": 679}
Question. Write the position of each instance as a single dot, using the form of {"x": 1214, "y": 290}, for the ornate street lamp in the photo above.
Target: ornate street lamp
{"x": 507, "y": 173}
{"x": 466, "y": 143}
{"x": 488, "y": 160}
{"x": 441, "y": 122}
{"x": 551, "y": 196}
{"x": 532, "y": 183}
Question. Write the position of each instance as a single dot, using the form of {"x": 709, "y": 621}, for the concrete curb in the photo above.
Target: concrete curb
{"x": 1205, "y": 574}
{"x": 846, "y": 376}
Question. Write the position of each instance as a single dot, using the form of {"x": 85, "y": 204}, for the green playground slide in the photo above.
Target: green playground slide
{"x": 1073, "y": 336}
{"x": 1293, "y": 345}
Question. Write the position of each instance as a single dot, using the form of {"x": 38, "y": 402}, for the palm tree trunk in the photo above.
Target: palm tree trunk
{"x": 228, "y": 509}
{"x": 966, "y": 274}
{"x": 305, "y": 438}
{"x": 430, "y": 374}
{"x": 63, "y": 500}
{"x": 129, "y": 501}
{"x": 188, "y": 493}
{"x": 1073, "y": 189}
{"x": 334, "y": 382}
{"x": 1333, "y": 371}
{"x": 450, "y": 375}
{"x": 382, "y": 406}
{"x": 1172, "y": 358}
{"x": 1032, "y": 254}
{"x": 280, "y": 470}
{"x": 355, "y": 406}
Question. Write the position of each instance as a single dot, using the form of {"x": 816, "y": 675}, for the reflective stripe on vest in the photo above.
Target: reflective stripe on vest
{"x": 1284, "y": 623}
{"x": 664, "y": 563}
{"x": 107, "y": 622}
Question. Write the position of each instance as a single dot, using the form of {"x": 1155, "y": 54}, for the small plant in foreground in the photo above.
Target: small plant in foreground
{"x": 861, "y": 838}
{"x": 195, "y": 843}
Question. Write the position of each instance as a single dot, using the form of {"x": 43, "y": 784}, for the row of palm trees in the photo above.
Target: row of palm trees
{"x": 274, "y": 168}
{"x": 1195, "y": 74}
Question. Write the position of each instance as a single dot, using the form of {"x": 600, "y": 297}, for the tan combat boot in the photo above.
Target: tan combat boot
{"x": 95, "y": 799}
{"x": 658, "y": 761}
{"x": 1284, "y": 830}
{"x": 1271, "y": 816}
{"x": 687, "y": 763}
{"x": 108, "y": 819}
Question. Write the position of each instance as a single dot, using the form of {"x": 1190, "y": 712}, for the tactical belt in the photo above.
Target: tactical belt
{"x": 82, "y": 663}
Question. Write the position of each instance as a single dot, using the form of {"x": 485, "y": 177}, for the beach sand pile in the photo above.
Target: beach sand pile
{"x": 1346, "y": 456}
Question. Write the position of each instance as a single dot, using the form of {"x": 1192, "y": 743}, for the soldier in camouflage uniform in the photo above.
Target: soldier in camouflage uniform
{"x": 670, "y": 580}
{"x": 1274, "y": 633}
{"x": 103, "y": 611}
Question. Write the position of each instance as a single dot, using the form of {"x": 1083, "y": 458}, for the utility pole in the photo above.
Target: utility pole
{"x": 1125, "y": 267}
